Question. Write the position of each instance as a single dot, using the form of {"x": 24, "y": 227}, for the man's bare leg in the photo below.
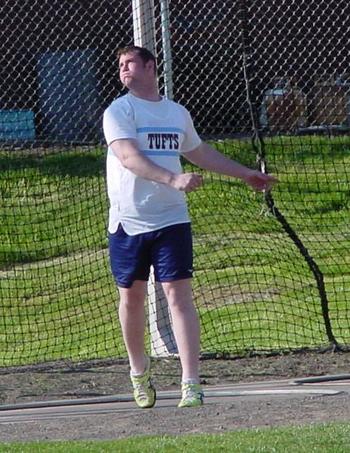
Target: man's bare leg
{"x": 186, "y": 325}
{"x": 132, "y": 320}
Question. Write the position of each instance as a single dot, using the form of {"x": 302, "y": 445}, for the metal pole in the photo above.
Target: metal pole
{"x": 166, "y": 42}
{"x": 163, "y": 342}
{"x": 144, "y": 24}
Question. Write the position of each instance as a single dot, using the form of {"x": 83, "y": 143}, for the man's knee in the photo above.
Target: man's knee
{"x": 178, "y": 294}
{"x": 133, "y": 297}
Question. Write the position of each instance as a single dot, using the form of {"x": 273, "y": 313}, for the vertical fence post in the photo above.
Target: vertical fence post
{"x": 144, "y": 24}
{"x": 166, "y": 43}
{"x": 160, "y": 324}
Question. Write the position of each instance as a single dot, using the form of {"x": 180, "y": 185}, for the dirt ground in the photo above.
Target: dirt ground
{"x": 67, "y": 382}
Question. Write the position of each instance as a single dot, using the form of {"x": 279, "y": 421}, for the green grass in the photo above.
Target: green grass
{"x": 71, "y": 305}
{"x": 326, "y": 438}
{"x": 53, "y": 200}
{"x": 253, "y": 288}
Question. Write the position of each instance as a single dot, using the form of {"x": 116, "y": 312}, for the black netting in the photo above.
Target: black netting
{"x": 267, "y": 82}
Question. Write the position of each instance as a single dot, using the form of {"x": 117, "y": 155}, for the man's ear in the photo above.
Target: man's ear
{"x": 150, "y": 66}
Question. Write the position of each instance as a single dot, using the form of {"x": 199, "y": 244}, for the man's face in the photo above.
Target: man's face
{"x": 132, "y": 69}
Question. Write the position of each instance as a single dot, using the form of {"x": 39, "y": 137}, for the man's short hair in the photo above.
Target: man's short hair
{"x": 142, "y": 52}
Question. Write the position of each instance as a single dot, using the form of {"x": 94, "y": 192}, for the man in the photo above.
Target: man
{"x": 148, "y": 217}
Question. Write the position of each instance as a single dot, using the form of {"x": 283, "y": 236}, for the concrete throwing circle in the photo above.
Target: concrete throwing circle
{"x": 44, "y": 410}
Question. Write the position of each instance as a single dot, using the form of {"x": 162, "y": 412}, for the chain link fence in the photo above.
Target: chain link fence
{"x": 59, "y": 68}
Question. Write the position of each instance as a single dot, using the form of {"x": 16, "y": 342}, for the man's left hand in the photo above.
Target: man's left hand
{"x": 258, "y": 181}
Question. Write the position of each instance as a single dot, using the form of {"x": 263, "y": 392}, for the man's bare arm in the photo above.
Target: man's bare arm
{"x": 132, "y": 158}
{"x": 209, "y": 158}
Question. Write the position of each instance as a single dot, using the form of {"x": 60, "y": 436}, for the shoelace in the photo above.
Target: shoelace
{"x": 143, "y": 384}
{"x": 192, "y": 393}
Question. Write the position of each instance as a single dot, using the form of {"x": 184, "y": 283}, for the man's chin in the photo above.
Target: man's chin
{"x": 126, "y": 81}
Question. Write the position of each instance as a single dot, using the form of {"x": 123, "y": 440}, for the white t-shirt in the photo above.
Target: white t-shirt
{"x": 163, "y": 131}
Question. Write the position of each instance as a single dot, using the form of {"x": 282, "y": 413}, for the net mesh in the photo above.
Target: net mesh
{"x": 266, "y": 84}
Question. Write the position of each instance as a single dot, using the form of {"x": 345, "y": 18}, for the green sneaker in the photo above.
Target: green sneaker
{"x": 144, "y": 392}
{"x": 192, "y": 395}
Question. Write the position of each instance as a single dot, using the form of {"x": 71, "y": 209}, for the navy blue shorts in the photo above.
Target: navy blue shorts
{"x": 168, "y": 250}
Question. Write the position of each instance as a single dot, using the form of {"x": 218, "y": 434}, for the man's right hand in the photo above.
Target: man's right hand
{"x": 187, "y": 182}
